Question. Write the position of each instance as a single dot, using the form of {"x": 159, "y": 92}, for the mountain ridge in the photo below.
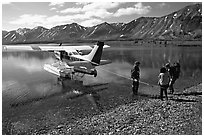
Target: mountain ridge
{"x": 185, "y": 24}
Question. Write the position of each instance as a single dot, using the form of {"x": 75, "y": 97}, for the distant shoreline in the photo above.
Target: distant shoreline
{"x": 134, "y": 42}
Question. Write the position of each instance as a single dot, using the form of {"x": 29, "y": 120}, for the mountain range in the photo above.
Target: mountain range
{"x": 184, "y": 24}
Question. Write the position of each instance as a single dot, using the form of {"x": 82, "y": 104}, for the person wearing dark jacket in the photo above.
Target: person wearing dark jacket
{"x": 177, "y": 70}
{"x": 135, "y": 75}
{"x": 174, "y": 72}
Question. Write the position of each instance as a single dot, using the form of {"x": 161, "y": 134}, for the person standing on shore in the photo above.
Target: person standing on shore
{"x": 177, "y": 70}
{"x": 174, "y": 72}
{"x": 135, "y": 75}
{"x": 164, "y": 79}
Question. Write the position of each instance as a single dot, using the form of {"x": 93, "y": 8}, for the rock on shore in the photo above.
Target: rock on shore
{"x": 143, "y": 115}
{"x": 180, "y": 115}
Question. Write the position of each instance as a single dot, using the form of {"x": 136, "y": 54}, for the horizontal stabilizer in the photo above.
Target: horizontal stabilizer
{"x": 94, "y": 56}
{"x": 104, "y": 62}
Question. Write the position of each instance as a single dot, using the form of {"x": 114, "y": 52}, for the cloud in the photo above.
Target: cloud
{"x": 100, "y": 5}
{"x": 59, "y": 20}
{"x": 87, "y": 11}
{"x": 161, "y": 5}
{"x": 60, "y": 4}
{"x": 5, "y": 2}
{"x": 82, "y": 3}
{"x": 91, "y": 22}
{"x": 31, "y": 21}
{"x": 86, "y": 14}
{"x": 137, "y": 9}
{"x": 91, "y": 7}
{"x": 53, "y": 8}
{"x": 71, "y": 10}
{"x": 100, "y": 13}
{"x": 90, "y": 10}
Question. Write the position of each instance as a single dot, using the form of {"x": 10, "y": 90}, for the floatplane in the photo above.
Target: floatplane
{"x": 69, "y": 59}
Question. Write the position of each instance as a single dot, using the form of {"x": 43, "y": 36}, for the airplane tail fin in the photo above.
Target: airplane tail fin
{"x": 95, "y": 55}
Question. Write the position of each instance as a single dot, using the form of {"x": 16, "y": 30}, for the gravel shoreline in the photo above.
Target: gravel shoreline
{"x": 180, "y": 115}
{"x": 143, "y": 115}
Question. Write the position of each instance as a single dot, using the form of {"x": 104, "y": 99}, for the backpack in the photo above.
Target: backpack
{"x": 134, "y": 73}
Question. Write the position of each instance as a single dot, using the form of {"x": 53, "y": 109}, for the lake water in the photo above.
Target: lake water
{"x": 29, "y": 92}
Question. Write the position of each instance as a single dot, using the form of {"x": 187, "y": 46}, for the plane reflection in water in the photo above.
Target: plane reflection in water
{"x": 72, "y": 89}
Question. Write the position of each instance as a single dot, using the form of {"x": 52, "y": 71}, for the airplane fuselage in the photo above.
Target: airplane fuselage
{"x": 60, "y": 55}
{"x": 78, "y": 65}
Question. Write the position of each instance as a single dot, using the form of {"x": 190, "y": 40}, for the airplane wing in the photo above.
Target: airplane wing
{"x": 49, "y": 48}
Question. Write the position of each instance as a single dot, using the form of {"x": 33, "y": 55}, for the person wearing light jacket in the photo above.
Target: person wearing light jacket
{"x": 164, "y": 79}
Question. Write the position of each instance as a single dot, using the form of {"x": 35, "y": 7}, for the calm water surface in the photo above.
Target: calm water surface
{"x": 27, "y": 89}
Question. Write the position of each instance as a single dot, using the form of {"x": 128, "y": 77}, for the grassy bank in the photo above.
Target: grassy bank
{"x": 181, "y": 114}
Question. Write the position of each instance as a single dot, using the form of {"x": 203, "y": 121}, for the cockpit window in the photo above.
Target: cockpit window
{"x": 75, "y": 53}
{"x": 70, "y": 53}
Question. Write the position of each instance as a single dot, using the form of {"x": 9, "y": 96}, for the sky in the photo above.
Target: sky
{"x": 49, "y": 14}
